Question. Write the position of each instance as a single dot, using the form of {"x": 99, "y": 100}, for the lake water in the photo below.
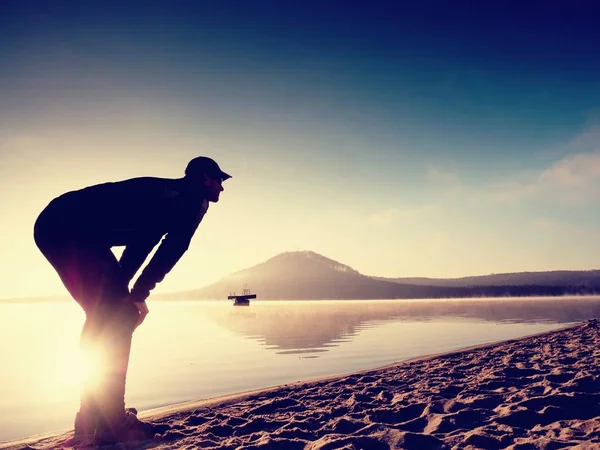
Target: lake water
{"x": 194, "y": 350}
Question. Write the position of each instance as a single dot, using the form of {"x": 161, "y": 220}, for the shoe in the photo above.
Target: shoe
{"x": 84, "y": 428}
{"x": 105, "y": 435}
{"x": 130, "y": 429}
{"x": 135, "y": 429}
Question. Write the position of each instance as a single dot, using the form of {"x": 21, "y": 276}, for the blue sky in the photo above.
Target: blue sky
{"x": 441, "y": 139}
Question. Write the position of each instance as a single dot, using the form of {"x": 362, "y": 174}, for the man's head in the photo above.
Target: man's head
{"x": 205, "y": 173}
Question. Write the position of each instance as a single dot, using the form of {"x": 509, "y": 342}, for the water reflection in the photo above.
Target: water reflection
{"x": 314, "y": 327}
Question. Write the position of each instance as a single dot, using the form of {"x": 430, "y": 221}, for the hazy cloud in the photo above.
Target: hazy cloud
{"x": 547, "y": 224}
{"x": 573, "y": 180}
{"x": 390, "y": 215}
{"x": 439, "y": 175}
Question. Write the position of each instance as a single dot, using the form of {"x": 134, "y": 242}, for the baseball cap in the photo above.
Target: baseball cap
{"x": 203, "y": 164}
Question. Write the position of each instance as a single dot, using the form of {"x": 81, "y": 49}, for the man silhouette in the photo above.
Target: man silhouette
{"x": 76, "y": 231}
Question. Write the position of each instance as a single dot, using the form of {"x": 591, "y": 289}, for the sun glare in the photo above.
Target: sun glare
{"x": 75, "y": 368}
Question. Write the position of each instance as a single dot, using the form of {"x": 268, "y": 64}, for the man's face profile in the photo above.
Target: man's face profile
{"x": 214, "y": 187}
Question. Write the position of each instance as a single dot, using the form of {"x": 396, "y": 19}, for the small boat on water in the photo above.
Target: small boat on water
{"x": 243, "y": 299}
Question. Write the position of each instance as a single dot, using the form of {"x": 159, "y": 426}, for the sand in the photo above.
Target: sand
{"x": 541, "y": 391}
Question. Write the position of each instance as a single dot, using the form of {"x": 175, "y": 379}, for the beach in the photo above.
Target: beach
{"x": 541, "y": 391}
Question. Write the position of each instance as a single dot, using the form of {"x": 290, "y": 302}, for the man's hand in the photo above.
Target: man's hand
{"x": 143, "y": 310}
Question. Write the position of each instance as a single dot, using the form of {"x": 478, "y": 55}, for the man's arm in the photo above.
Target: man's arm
{"x": 171, "y": 249}
{"x": 134, "y": 256}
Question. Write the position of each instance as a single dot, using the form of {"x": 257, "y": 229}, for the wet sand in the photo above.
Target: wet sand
{"x": 541, "y": 391}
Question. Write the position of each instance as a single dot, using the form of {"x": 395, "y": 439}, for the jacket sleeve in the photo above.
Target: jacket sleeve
{"x": 171, "y": 249}
{"x": 134, "y": 256}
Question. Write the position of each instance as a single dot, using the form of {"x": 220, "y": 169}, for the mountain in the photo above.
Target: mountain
{"x": 587, "y": 278}
{"x": 307, "y": 275}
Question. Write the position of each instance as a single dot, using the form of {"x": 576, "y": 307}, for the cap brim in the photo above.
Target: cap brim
{"x": 225, "y": 176}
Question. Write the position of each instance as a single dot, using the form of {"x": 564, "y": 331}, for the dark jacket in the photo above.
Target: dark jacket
{"x": 136, "y": 214}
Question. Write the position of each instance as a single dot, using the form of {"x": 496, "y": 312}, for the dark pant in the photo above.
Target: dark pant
{"x": 92, "y": 275}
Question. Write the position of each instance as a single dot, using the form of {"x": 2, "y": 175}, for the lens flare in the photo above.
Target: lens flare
{"x": 76, "y": 369}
